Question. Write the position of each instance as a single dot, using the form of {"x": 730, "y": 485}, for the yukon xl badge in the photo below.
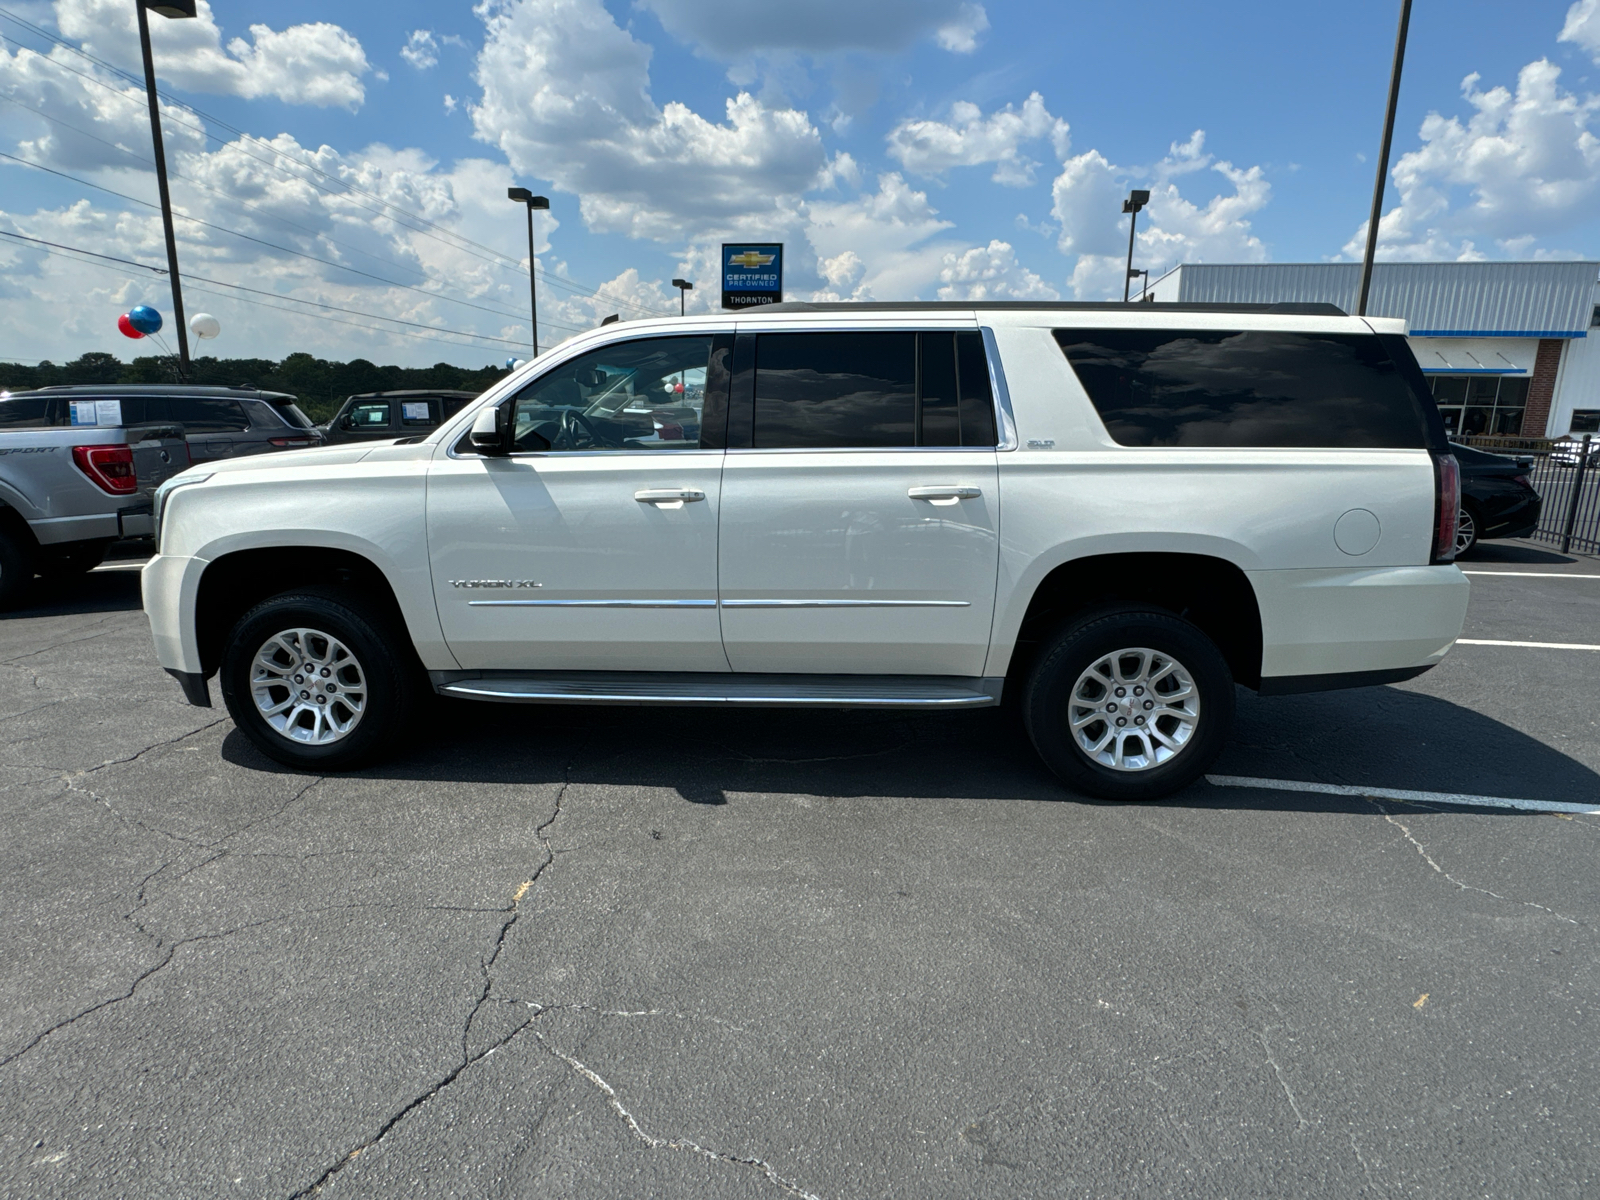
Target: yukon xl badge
{"x": 495, "y": 583}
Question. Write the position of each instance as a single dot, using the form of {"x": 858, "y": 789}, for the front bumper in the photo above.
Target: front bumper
{"x": 171, "y": 585}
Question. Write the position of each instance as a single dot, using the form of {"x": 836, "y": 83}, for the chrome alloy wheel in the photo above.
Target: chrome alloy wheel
{"x": 1466, "y": 531}
{"x": 1134, "y": 709}
{"x": 308, "y": 686}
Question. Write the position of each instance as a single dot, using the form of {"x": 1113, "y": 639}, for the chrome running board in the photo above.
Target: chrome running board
{"x": 773, "y": 691}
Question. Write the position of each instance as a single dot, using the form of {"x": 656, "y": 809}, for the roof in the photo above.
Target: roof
{"x": 450, "y": 392}
{"x": 1451, "y": 299}
{"x": 846, "y": 306}
{"x": 155, "y": 389}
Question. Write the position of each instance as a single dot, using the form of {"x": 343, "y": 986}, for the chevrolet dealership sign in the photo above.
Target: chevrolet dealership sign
{"x": 751, "y": 274}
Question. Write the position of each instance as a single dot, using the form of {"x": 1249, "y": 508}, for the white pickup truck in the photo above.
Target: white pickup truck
{"x": 1111, "y": 514}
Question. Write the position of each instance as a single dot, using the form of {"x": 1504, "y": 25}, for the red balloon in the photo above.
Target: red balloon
{"x": 127, "y": 327}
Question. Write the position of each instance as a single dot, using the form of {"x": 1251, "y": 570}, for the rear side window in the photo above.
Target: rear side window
{"x": 1164, "y": 387}
{"x": 418, "y": 414}
{"x": 871, "y": 390}
{"x": 202, "y": 414}
{"x": 291, "y": 414}
{"x": 25, "y": 414}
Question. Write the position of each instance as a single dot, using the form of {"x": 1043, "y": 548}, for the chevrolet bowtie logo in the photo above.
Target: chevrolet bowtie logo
{"x": 751, "y": 259}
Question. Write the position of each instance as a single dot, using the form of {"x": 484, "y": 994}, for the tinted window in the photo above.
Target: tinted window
{"x": 647, "y": 394}
{"x": 1217, "y": 388}
{"x": 24, "y": 414}
{"x": 291, "y": 413}
{"x": 370, "y": 415}
{"x": 977, "y": 399}
{"x": 419, "y": 414}
{"x": 835, "y": 389}
{"x": 204, "y": 414}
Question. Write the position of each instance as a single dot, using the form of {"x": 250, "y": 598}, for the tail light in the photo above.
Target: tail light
{"x": 1447, "y": 506}
{"x": 293, "y": 441}
{"x": 110, "y": 467}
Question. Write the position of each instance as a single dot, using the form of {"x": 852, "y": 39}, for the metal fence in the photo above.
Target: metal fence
{"x": 1566, "y": 475}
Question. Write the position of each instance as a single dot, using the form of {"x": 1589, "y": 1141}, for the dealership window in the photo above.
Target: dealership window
{"x": 1475, "y": 405}
{"x": 1586, "y": 420}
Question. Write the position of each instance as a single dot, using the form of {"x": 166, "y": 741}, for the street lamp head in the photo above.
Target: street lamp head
{"x": 539, "y": 202}
{"x": 684, "y": 284}
{"x": 521, "y": 195}
{"x": 1136, "y": 200}
{"x": 171, "y": 8}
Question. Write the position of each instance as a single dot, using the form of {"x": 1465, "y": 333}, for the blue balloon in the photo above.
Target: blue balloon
{"x": 144, "y": 318}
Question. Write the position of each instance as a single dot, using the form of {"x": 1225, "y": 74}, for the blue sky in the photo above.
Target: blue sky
{"x": 908, "y": 148}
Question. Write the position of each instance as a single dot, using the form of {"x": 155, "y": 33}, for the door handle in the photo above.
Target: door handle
{"x": 671, "y": 497}
{"x": 944, "y": 494}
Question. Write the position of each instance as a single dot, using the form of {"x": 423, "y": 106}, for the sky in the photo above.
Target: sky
{"x": 340, "y": 188}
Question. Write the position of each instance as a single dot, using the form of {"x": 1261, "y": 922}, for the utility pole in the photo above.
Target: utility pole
{"x": 1383, "y": 159}
{"x": 684, "y": 288}
{"x": 1136, "y": 200}
{"x": 167, "y": 8}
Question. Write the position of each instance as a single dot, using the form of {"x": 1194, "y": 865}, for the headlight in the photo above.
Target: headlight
{"x": 166, "y": 489}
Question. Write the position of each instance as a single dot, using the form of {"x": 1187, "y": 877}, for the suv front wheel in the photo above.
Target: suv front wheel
{"x": 319, "y": 679}
{"x": 1129, "y": 705}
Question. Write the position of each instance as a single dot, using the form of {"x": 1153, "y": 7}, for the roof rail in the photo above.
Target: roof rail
{"x": 1286, "y": 309}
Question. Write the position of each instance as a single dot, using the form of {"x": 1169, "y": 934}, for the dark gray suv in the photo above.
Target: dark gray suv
{"x": 376, "y": 416}
{"x": 218, "y": 422}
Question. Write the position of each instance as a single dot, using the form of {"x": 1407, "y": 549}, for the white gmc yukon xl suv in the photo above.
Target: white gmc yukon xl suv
{"x": 1112, "y": 514}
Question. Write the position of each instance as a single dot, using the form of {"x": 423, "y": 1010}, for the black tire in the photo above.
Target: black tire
{"x": 390, "y": 687}
{"x": 16, "y": 570}
{"x": 71, "y": 558}
{"x": 1468, "y": 527}
{"x": 1048, "y": 704}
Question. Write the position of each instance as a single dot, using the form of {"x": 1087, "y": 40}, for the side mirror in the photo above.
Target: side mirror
{"x": 488, "y": 436}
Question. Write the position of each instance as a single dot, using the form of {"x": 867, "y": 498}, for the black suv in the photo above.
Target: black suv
{"x": 375, "y": 416}
{"x": 218, "y": 422}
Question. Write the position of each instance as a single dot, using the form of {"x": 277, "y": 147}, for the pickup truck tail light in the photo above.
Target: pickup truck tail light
{"x": 1446, "y": 506}
{"x": 109, "y": 467}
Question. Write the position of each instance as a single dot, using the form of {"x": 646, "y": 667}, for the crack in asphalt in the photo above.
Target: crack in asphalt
{"x": 1277, "y": 1070}
{"x": 12, "y": 662}
{"x": 1466, "y": 887}
{"x": 513, "y": 911}
{"x": 675, "y": 1143}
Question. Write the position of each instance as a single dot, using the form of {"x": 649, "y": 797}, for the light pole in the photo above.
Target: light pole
{"x": 1383, "y": 159}
{"x": 1136, "y": 200}
{"x": 167, "y": 8}
{"x": 524, "y": 196}
{"x": 684, "y": 288}
{"x": 1134, "y": 273}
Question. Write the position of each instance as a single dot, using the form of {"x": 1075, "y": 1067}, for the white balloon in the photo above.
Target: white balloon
{"x": 204, "y": 325}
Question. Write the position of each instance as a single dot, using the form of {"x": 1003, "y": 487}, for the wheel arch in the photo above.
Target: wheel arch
{"x": 1211, "y": 592}
{"x": 236, "y": 581}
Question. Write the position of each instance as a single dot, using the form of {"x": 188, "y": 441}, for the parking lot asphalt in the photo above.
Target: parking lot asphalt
{"x": 658, "y": 952}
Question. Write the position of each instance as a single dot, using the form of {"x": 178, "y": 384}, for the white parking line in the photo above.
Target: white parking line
{"x": 1526, "y": 645}
{"x": 1533, "y": 574}
{"x": 1404, "y": 794}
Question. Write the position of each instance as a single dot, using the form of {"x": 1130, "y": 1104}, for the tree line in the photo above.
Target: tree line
{"x": 320, "y": 385}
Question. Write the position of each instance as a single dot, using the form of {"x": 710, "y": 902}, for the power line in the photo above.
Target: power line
{"x": 206, "y": 285}
{"x": 498, "y": 257}
{"x": 22, "y": 237}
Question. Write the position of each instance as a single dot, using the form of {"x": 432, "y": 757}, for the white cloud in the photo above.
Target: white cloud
{"x": 1583, "y": 27}
{"x": 877, "y": 245}
{"x": 421, "y": 49}
{"x": 960, "y": 36}
{"x": 735, "y": 28}
{"x": 566, "y": 98}
{"x": 450, "y": 103}
{"x": 990, "y": 273}
{"x": 319, "y": 64}
{"x": 1523, "y": 166}
{"x": 1172, "y": 229}
{"x": 968, "y": 139}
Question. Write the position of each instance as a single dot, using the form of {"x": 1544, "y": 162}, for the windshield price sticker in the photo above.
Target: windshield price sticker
{"x": 752, "y": 274}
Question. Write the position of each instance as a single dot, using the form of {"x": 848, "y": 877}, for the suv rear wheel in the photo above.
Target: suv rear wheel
{"x": 1129, "y": 705}
{"x": 314, "y": 678}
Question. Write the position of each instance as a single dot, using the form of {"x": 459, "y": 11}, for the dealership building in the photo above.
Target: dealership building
{"x": 1506, "y": 345}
